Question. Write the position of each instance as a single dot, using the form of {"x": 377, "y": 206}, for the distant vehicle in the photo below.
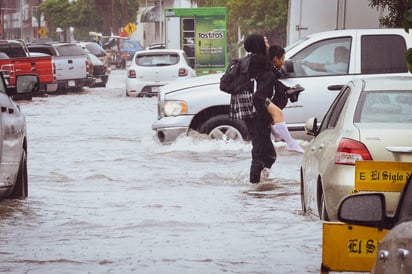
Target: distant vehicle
{"x": 369, "y": 209}
{"x": 206, "y": 108}
{"x": 156, "y": 46}
{"x": 151, "y": 69}
{"x": 351, "y": 131}
{"x": 13, "y": 138}
{"x": 97, "y": 72}
{"x": 16, "y": 59}
{"x": 95, "y": 49}
{"x": 130, "y": 47}
{"x": 70, "y": 61}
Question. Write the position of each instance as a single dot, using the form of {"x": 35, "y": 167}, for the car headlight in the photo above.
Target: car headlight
{"x": 174, "y": 108}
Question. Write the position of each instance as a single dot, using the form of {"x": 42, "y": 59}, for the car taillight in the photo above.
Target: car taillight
{"x": 349, "y": 151}
{"x": 87, "y": 66}
{"x": 131, "y": 73}
{"x": 182, "y": 72}
{"x": 54, "y": 70}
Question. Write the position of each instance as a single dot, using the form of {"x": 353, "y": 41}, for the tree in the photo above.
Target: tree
{"x": 400, "y": 13}
{"x": 268, "y": 17}
{"x": 105, "y": 16}
{"x": 58, "y": 13}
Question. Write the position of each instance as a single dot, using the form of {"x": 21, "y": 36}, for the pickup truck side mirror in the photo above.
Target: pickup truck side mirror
{"x": 288, "y": 67}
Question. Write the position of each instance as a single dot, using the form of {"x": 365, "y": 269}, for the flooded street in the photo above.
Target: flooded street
{"x": 105, "y": 197}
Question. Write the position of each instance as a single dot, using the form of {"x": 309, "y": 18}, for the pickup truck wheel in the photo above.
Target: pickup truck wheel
{"x": 20, "y": 190}
{"x": 220, "y": 127}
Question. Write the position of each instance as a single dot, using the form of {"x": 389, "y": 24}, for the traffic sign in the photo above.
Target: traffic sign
{"x": 130, "y": 28}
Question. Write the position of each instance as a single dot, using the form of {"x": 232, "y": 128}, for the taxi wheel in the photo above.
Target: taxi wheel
{"x": 323, "y": 213}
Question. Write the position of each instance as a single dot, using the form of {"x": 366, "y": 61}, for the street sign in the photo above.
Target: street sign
{"x": 130, "y": 28}
{"x": 42, "y": 32}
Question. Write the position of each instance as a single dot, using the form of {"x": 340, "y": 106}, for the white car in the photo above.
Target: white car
{"x": 370, "y": 119}
{"x": 13, "y": 139}
{"x": 151, "y": 69}
{"x": 198, "y": 104}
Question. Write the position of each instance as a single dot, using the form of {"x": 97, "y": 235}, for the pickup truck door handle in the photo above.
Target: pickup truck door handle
{"x": 70, "y": 61}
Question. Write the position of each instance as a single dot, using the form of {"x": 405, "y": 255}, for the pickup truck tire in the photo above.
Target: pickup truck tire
{"x": 220, "y": 127}
{"x": 20, "y": 190}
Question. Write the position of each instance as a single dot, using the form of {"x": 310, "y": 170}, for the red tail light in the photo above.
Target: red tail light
{"x": 54, "y": 70}
{"x": 183, "y": 72}
{"x": 349, "y": 151}
{"x": 87, "y": 66}
{"x": 131, "y": 73}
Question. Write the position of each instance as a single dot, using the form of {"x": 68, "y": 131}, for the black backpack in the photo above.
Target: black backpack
{"x": 236, "y": 77}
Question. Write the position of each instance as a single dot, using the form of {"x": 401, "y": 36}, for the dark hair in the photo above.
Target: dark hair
{"x": 276, "y": 51}
{"x": 255, "y": 43}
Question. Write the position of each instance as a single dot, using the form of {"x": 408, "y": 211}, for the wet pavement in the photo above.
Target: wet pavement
{"x": 105, "y": 197}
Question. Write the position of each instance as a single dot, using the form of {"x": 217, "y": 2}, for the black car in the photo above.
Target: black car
{"x": 97, "y": 72}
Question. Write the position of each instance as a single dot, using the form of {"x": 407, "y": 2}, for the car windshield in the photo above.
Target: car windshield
{"x": 152, "y": 60}
{"x": 385, "y": 107}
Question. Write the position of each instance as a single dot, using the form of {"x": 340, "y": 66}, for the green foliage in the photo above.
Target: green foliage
{"x": 104, "y": 16}
{"x": 408, "y": 56}
{"x": 58, "y": 12}
{"x": 400, "y": 13}
{"x": 268, "y": 17}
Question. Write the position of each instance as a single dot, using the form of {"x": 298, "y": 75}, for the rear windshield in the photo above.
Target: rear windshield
{"x": 70, "y": 50}
{"x": 385, "y": 107}
{"x": 13, "y": 50}
{"x": 153, "y": 60}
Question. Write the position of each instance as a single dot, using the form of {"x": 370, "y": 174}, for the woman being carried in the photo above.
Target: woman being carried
{"x": 279, "y": 100}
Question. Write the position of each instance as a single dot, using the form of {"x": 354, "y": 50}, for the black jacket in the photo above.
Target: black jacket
{"x": 261, "y": 70}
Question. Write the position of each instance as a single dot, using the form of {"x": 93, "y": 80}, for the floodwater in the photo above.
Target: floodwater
{"x": 105, "y": 197}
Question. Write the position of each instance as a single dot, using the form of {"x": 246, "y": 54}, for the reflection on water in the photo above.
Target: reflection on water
{"x": 104, "y": 197}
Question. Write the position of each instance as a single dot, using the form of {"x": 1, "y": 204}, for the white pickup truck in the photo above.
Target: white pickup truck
{"x": 198, "y": 104}
{"x": 71, "y": 64}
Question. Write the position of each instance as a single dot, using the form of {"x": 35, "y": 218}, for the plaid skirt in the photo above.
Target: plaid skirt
{"x": 241, "y": 106}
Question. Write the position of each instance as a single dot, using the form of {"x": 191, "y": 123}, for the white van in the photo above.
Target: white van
{"x": 198, "y": 104}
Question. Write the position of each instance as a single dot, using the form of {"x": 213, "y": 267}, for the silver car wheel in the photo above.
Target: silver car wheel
{"x": 226, "y": 133}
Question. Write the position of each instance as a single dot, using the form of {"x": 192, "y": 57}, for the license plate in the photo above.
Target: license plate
{"x": 98, "y": 80}
{"x": 381, "y": 176}
{"x": 71, "y": 83}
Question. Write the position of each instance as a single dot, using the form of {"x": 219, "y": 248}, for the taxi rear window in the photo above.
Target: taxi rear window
{"x": 153, "y": 60}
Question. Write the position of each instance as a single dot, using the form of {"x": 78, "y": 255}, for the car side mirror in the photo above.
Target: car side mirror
{"x": 27, "y": 83}
{"x": 367, "y": 209}
{"x": 311, "y": 126}
{"x": 288, "y": 67}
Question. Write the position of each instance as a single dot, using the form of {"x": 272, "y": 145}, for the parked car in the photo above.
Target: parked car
{"x": 97, "y": 71}
{"x": 206, "y": 107}
{"x": 70, "y": 61}
{"x": 98, "y": 51}
{"x": 370, "y": 119}
{"x": 13, "y": 138}
{"x": 21, "y": 61}
{"x": 151, "y": 69}
{"x": 368, "y": 209}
